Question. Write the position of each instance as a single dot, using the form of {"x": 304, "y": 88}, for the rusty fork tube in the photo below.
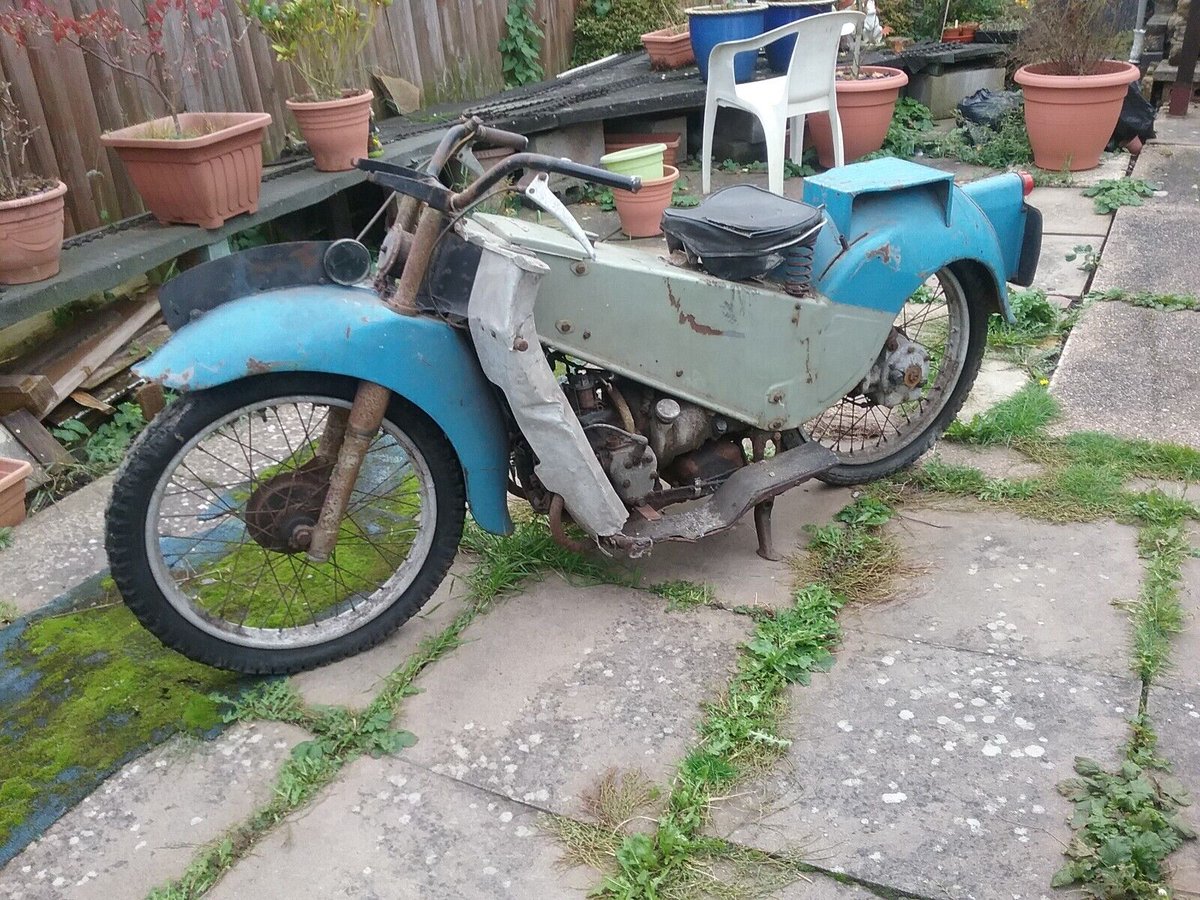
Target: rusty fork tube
{"x": 371, "y": 400}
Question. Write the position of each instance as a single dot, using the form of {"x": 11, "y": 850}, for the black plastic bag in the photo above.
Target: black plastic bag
{"x": 986, "y": 107}
{"x": 1137, "y": 118}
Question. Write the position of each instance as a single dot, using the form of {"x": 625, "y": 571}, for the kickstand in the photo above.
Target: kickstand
{"x": 762, "y": 525}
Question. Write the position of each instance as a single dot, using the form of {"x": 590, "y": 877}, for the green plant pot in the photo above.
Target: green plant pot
{"x": 645, "y": 161}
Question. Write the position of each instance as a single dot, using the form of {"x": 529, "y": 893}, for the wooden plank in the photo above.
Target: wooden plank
{"x": 142, "y": 345}
{"x": 33, "y": 436}
{"x": 1181, "y": 90}
{"x": 24, "y": 392}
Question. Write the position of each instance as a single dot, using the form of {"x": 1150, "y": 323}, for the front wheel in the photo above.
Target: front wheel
{"x": 871, "y": 440}
{"x": 202, "y": 510}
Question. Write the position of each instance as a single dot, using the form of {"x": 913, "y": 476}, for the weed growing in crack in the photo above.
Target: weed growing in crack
{"x": 684, "y": 594}
{"x": 1148, "y": 300}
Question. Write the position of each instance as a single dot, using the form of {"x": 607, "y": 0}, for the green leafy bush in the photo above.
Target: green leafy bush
{"x": 1110, "y": 194}
{"x": 604, "y": 27}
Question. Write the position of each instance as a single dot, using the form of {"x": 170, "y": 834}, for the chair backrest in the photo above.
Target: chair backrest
{"x": 813, "y": 67}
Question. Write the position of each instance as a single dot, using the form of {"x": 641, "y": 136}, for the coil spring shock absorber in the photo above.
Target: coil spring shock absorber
{"x": 798, "y": 263}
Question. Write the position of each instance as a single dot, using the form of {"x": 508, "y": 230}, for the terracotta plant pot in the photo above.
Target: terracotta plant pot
{"x": 615, "y": 142}
{"x": 31, "y": 235}
{"x": 641, "y": 213}
{"x": 669, "y": 48}
{"x": 13, "y": 473}
{"x": 201, "y": 180}
{"x": 960, "y": 34}
{"x": 1070, "y": 118}
{"x": 865, "y": 108}
{"x": 336, "y": 131}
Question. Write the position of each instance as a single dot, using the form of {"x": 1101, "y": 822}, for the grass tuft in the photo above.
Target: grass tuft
{"x": 1022, "y": 417}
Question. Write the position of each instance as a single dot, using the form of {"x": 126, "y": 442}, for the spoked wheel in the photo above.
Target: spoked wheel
{"x": 212, "y": 512}
{"x": 872, "y": 440}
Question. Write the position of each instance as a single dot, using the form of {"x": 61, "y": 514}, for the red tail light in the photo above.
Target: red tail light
{"x": 1026, "y": 183}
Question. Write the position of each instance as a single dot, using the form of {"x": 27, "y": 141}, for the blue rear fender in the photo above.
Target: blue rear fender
{"x": 897, "y": 223}
{"x": 348, "y": 331}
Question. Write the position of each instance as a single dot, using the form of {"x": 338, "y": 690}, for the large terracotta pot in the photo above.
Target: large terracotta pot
{"x": 641, "y": 213}
{"x": 1070, "y": 118}
{"x": 202, "y": 180}
{"x": 336, "y": 131}
{"x": 865, "y": 108}
{"x": 31, "y": 235}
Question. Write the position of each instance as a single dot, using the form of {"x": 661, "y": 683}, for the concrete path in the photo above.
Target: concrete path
{"x": 1130, "y": 371}
{"x": 923, "y": 764}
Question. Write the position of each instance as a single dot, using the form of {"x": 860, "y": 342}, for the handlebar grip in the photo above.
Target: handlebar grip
{"x": 599, "y": 176}
{"x": 501, "y": 138}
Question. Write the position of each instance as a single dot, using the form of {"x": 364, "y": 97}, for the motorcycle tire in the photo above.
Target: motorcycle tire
{"x": 974, "y": 314}
{"x": 154, "y": 586}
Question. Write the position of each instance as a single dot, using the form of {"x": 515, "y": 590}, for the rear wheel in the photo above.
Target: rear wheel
{"x": 205, "y": 510}
{"x": 948, "y": 316}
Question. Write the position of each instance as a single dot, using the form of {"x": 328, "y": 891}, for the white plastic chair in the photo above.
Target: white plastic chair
{"x": 808, "y": 87}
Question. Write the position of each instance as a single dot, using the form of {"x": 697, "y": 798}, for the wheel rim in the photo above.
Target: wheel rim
{"x": 861, "y": 432}
{"x": 213, "y": 568}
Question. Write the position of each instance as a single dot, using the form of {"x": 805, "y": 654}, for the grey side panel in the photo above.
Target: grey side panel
{"x": 500, "y": 315}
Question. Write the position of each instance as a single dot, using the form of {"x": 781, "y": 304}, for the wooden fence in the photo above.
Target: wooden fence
{"x": 447, "y": 47}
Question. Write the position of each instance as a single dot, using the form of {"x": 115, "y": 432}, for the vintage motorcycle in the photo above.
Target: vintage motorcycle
{"x": 306, "y": 494}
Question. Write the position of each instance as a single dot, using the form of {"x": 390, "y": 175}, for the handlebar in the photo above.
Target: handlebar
{"x": 424, "y": 187}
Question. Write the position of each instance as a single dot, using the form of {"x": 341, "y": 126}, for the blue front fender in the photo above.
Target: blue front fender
{"x": 348, "y": 331}
{"x": 901, "y": 222}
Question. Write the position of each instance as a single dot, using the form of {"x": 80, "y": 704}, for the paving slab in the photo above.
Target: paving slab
{"x": 1183, "y": 491}
{"x": 730, "y": 563}
{"x": 1057, "y": 275}
{"x": 1151, "y": 247}
{"x": 559, "y": 684}
{"x": 1173, "y": 171}
{"x": 994, "y": 462}
{"x": 1176, "y": 717}
{"x": 998, "y": 379}
{"x": 388, "y": 828}
{"x": 999, "y": 584}
{"x": 1131, "y": 372}
{"x": 1112, "y": 165}
{"x": 57, "y": 549}
{"x": 142, "y": 826}
{"x": 963, "y": 172}
{"x": 1185, "y": 647}
{"x": 1066, "y": 211}
{"x": 932, "y": 770}
{"x": 1178, "y": 129}
{"x": 355, "y": 681}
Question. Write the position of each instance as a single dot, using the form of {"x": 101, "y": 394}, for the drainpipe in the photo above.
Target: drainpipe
{"x": 1139, "y": 34}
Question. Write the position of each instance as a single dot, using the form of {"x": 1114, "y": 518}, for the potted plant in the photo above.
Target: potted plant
{"x": 324, "y": 40}
{"x": 729, "y": 21}
{"x": 31, "y": 207}
{"x": 669, "y": 47}
{"x": 866, "y": 99}
{"x": 194, "y": 168}
{"x": 1073, "y": 88}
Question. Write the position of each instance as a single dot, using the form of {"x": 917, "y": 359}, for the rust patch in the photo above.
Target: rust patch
{"x": 887, "y": 254}
{"x": 687, "y": 318}
{"x": 257, "y": 367}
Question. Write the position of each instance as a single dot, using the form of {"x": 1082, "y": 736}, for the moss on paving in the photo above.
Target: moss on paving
{"x": 105, "y": 690}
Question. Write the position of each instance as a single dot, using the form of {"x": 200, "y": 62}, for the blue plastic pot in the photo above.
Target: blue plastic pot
{"x": 781, "y": 12}
{"x": 712, "y": 25}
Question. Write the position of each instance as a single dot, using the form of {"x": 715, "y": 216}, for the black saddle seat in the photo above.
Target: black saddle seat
{"x": 740, "y": 231}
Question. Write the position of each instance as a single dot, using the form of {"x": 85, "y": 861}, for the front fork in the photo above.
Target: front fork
{"x": 348, "y": 433}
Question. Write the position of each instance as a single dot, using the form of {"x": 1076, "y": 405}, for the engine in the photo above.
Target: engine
{"x": 650, "y": 443}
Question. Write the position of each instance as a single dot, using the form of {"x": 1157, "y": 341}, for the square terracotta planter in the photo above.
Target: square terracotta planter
{"x": 13, "y": 473}
{"x": 670, "y": 47}
{"x": 202, "y": 180}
